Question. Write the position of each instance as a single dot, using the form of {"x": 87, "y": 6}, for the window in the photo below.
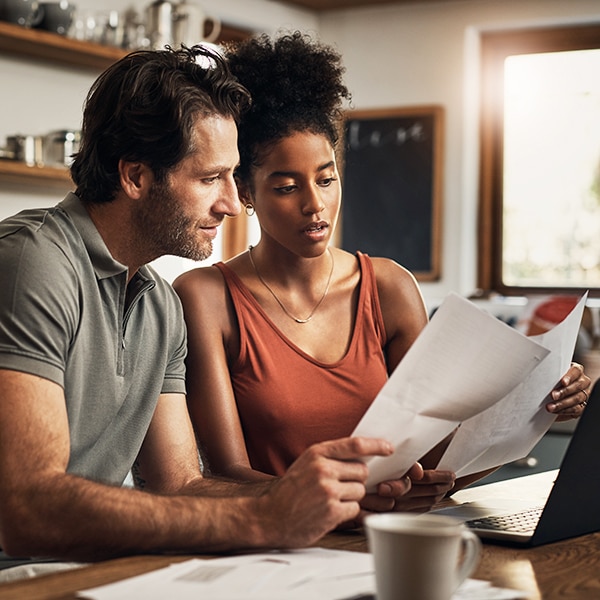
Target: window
{"x": 539, "y": 227}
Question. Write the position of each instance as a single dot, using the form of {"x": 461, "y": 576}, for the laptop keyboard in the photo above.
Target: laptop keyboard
{"x": 520, "y": 522}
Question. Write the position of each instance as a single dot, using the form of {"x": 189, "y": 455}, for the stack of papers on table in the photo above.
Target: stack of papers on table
{"x": 470, "y": 370}
{"x": 314, "y": 573}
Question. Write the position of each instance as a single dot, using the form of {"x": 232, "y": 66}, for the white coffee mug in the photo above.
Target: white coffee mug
{"x": 190, "y": 25}
{"x": 420, "y": 556}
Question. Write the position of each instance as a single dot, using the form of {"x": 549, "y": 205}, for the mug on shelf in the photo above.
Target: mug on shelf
{"x": 26, "y": 148}
{"x": 60, "y": 147}
{"x": 190, "y": 25}
{"x": 171, "y": 24}
{"x": 56, "y": 16}
{"x": 26, "y": 13}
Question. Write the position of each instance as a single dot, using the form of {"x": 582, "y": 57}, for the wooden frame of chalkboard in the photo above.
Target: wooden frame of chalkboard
{"x": 392, "y": 183}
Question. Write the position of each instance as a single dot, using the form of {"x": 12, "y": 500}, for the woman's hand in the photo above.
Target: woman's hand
{"x": 570, "y": 396}
{"x": 417, "y": 491}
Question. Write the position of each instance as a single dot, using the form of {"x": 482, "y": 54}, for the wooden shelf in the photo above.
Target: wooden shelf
{"x": 14, "y": 172}
{"x": 51, "y": 47}
{"x": 47, "y": 46}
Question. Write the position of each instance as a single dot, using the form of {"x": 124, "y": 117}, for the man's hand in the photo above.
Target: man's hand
{"x": 320, "y": 490}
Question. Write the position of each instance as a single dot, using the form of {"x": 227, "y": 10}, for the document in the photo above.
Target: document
{"x": 510, "y": 429}
{"x": 315, "y": 573}
{"x": 463, "y": 362}
{"x": 305, "y": 573}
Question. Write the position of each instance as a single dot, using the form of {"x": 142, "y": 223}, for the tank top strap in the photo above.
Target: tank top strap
{"x": 371, "y": 296}
{"x": 248, "y": 311}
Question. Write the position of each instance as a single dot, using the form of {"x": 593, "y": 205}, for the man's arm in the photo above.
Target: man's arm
{"x": 168, "y": 462}
{"x": 44, "y": 511}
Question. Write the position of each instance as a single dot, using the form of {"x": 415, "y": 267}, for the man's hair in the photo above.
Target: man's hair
{"x": 296, "y": 85}
{"x": 143, "y": 108}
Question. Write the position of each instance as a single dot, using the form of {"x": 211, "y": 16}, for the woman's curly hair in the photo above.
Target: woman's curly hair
{"x": 296, "y": 85}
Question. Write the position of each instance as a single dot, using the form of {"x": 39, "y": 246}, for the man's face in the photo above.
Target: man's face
{"x": 180, "y": 216}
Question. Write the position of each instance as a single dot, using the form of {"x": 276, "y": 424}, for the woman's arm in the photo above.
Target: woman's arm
{"x": 212, "y": 337}
{"x": 402, "y": 307}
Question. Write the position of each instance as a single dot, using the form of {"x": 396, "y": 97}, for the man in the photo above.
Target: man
{"x": 92, "y": 341}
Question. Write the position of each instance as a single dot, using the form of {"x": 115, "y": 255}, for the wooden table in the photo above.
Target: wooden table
{"x": 560, "y": 571}
{"x": 566, "y": 570}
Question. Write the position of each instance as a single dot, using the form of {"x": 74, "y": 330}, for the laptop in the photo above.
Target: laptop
{"x": 545, "y": 507}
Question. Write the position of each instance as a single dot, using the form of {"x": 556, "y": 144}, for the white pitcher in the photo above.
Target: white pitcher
{"x": 159, "y": 23}
{"x": 189, "y": 25}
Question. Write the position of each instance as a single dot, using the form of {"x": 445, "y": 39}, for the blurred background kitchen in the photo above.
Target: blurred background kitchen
{"x": 402, "y": 53}
{"x": 509, "y": 246}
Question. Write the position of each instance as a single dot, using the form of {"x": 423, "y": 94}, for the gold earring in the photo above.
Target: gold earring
{"x": 249, "y": 208}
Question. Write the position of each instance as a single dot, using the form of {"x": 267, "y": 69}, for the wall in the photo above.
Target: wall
{"x": 395, "y": 56}
{"x": 428, "y": 54}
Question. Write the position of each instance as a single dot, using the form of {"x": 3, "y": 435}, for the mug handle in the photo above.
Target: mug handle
{"x": 471, "y": 553}
{"x": 215, "y": 30}
{"x": 37, "y": 16}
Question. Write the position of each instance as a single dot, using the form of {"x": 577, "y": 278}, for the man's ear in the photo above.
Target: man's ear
{"x": 135, "y": 178}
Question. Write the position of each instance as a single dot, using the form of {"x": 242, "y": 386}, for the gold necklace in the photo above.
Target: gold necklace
{"x": 285, "y": 310}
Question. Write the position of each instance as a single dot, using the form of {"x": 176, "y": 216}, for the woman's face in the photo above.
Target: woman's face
{"x": 297, "y": 193}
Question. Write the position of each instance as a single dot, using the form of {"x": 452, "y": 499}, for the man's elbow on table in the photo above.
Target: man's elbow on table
{"x": 29, "y": 529}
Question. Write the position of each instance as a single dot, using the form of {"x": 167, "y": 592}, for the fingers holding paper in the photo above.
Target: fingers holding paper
{"x": 384, "y": 498}
{"x": 321, "y": 489}
{"x": 425, "y": 492}
{"x": 570, "y": 396}
{"x": 417, "y": 491}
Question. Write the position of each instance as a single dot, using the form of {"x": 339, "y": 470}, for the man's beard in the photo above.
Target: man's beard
{"x": 167, "y": 229}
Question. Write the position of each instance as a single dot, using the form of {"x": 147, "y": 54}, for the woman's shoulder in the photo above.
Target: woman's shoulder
{"x": 402, "y": 306}
{"x": 206, "y": 303}
{"x": 390, "y": 273}
{"x": 203, "y": 290}
{"x": 395, "y": 283}
{"x": 198, "y": 280}
{"x": 210, "y": 285}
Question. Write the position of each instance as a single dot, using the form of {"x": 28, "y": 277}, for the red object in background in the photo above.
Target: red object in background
{"x": 550, "y": 313}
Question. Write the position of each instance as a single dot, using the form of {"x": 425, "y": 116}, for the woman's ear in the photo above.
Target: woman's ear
{"x": 244, "y": 192}
{"x": 135, "y": 178}
{"x": 246, "y": 198}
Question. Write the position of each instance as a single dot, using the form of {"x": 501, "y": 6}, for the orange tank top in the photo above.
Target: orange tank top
{"x": 286, "y": 399}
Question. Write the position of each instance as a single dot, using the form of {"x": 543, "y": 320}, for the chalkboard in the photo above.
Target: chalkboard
{"x": 392, "y": 186}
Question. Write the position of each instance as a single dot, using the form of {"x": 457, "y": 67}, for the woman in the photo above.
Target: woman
{"x": 290, "y": 341}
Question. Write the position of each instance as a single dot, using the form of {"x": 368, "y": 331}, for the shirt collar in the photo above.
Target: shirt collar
{"x": 104, "y": 264}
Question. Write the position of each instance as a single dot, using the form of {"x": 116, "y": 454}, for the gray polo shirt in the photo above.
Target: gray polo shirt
{"x": 67, "y": 315}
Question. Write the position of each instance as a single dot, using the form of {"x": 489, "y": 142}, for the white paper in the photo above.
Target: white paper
{"x": 315, "y": 573}
{"x": 510, "y": 428}
{"x": 463, "y": 362}
{"x": 295, "y": 574}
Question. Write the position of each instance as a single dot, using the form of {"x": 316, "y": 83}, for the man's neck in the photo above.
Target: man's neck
{"x": 114, "y": 224}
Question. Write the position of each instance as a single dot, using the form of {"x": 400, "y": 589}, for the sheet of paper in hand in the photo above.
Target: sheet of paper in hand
{"x": 464, "y": 361}
{"x": 510, "y": 429}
